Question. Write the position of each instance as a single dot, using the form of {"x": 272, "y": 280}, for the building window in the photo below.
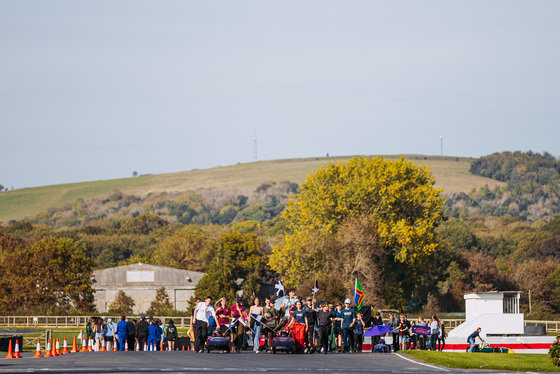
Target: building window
{"x": 511, "y": 303}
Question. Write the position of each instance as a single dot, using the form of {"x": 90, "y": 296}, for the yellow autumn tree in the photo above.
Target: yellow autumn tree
{"x": 352, "y": 219}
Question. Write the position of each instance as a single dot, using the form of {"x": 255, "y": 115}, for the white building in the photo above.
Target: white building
{"x": 497, "y": 313}
{"x": 140, "y": 281}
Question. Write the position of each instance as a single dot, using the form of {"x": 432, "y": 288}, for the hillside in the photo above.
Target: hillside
{"x": 451, "y": 173}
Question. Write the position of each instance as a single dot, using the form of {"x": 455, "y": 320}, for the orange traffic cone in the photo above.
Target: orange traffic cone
{"x": 74, "y": 346}
{"x": 49, "y": 349}
{"x": 65, "y": 346}
{"x": 38, "y": 351}
{"x": 103, "y": 348}
{"x": 183, "y": 347}
{"x": 137, "y": 345}
{"x": 126, "y": 345}
{"x": 115, "y": 349}
{"x": 16, "y": 350}
{"x": 57, "y": 348}
{"x": 84, "y": 345}
{"x": 90, "y": 345}
{"x": 10, "y": 355}
{"x": 145, "y": 347}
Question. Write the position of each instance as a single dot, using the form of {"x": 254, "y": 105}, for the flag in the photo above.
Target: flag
{"x": 280, "y": 287}
{"x": 358, "y": 294}
{"x": 315, "y": 288}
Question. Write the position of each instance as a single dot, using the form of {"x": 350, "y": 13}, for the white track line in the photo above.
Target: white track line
{"x": 420, "y": 363}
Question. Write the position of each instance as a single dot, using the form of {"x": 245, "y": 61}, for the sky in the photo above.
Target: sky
{"x": 94, "y": 90}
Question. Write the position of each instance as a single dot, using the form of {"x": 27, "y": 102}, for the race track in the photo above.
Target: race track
{"x": 214, "y": 362}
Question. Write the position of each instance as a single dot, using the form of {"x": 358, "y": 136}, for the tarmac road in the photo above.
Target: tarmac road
{"x": 214, "y": 362}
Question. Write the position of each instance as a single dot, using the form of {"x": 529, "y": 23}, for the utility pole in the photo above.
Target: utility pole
{"x": 255, "y": 147}
{"x": 441, "y": 141}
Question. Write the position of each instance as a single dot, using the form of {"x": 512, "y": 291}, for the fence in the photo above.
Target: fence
{"x": 73, "y": 321}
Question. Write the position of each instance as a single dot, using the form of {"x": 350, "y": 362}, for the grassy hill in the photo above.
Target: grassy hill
{"x": 451, "y": 173}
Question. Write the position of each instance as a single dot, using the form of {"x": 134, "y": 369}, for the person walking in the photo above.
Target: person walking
{"x": 153, "y": 330}
{"x": 142, "y": 331}
{"x": 337, "y": 327}
{"x": 311, "y": 320}
{"x": 237, "y": 330}
{"x": 224, "y": 314}
{"x": 358, "y": 332}
{"x": 271, "y": 315}
{"x": 255, "y": 323}
{"x": 435, "y": 326}
{"x": 376, "y": 321}
{"x": 324, "y": 320}
{"x": 99, "y": 330}
{"x": 348, "y": 321}
{"x": 421, "y": 339}
{"x": 171, "y": 335}
{"x": 131, "y": 334}
{"x": 300, "y": 326}
{"x": 441, "y": 337}
{"x": 394, "y": 323}
{"x": 202, "y": 312}
{"x": 122, "y": 333}
{"x": 404, "y": 331}
{"x": 90, "y": 335}
{"x": 111, "y": 328}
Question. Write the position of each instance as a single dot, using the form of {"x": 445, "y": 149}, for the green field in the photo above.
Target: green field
{"x": 451, "y": 173}
{"x": 488, "y": 361}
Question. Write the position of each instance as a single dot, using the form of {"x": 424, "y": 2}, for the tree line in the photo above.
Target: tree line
{"x": 372, "y": 218}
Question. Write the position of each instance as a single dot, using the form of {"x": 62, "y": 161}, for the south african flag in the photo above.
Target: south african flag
{"x": 358, "y": 295}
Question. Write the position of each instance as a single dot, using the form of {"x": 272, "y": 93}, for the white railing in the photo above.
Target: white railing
{"x": 74, "y": 321}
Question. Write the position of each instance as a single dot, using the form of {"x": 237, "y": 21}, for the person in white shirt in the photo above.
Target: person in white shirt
{"x": 202, "y": 312}
{"x": 291, "y": 300}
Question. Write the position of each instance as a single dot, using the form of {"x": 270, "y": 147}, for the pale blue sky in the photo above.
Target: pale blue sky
{"x": 94, "y": 90}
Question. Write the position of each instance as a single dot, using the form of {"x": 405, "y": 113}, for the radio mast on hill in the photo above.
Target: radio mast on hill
{"x": 255, "y": 147}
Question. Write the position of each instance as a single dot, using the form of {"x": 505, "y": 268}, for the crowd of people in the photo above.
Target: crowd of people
{"x": 325, "y": 327}
{"x": 144, "y": 334}
{"x": 315, "y": 328}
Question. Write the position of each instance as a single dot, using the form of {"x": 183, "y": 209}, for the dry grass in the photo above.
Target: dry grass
{"x": 451, "y": 174}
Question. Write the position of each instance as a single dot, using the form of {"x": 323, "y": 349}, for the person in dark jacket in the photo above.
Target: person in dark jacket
{"x": 324, "y": 320}
{"x": 131, "y": 334}
{"x": 171, "y": 335}
{"x": 142, "y": 331}
{"x": 377, "y": 320}
{"x": 90, "y": 335}
{"x": 311, "y": 320}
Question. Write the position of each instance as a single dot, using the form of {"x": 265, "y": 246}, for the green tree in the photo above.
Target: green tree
{"x": 238, "y": 265}
{"x": 360, "y": 218}
{"x": 143, "y": 224}
{"x": 161, "y": 305}
{"x": 51, "y": 272}
{"x": 122, "y": 304}
{"x": 189, "y": 249}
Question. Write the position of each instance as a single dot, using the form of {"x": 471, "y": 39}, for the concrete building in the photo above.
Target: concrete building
{"x": 140, "y": 281}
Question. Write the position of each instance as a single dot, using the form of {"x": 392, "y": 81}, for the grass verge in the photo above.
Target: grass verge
{"x": 494, "y": 361}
